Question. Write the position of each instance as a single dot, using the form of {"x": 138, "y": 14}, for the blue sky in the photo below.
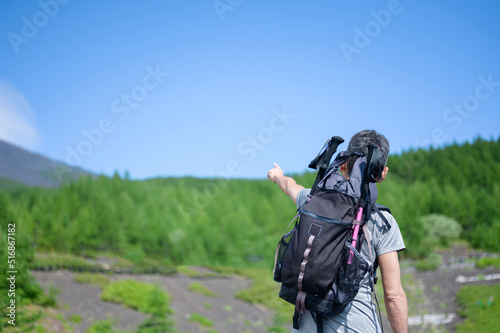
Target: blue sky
{"x": 226, "y": 88}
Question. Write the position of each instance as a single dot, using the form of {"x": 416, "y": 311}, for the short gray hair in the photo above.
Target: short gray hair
{"x": 359, "y": 144}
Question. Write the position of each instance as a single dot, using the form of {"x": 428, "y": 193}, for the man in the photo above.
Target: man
{"x": 360, "y": 315}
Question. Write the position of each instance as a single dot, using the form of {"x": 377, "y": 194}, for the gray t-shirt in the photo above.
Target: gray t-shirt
{"x": 361, "y": 315}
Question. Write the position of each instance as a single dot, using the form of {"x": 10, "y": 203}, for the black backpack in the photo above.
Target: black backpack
{"x": 318, "y": 262}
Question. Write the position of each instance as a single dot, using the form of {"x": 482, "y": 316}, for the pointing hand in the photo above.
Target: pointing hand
{"x": 275, "y": 173}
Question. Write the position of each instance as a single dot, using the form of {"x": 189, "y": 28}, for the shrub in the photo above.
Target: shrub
{"x": 201, "y": 289}
{"x": 98, "y": 280}
{"x": 136, "y": 295}
{"x": 431, "y": 263}
{"x": 488, "y": 262}
{"x": 55, "y": 261}
{"x": 197, "y": 318}
{"x": 159, "y": 321}
{"x": 439, "y": 230}
{"x": 104, "y": 326}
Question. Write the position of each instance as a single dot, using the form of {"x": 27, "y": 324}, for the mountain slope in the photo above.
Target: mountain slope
{"x": 21, "y": 166}
{"x": 236, "y": 222}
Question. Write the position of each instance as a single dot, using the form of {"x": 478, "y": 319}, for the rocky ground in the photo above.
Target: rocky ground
{"x": 439, "y": 308}
{"x": 227, "y": 313}
{"x": 434, "y": 308}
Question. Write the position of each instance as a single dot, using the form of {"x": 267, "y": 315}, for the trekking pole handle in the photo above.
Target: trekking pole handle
{"x": 355, "y": 234}
{"x": 322, "y": 161}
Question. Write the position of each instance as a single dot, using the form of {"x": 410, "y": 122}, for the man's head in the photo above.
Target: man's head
{"x": 359, "y": 144}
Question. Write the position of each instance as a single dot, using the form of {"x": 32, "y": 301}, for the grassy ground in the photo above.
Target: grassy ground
{"x": 264, "y": 291}
{"x": 477, "y": 306}
{"x": 101, "y": 262}
{"x": 480, "y": 305}
{"x": 488, "y": 262}
{"x": 39, "y": 319}
{"x": 144, "y": 297}
{"x": 200, "y": 288}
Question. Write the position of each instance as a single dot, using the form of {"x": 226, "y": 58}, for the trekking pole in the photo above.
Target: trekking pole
{"x": 365, "y": 195}
{"x": 359, "y": 216}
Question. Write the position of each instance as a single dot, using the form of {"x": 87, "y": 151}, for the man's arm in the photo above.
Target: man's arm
{"x": 394, "y": 295}
{"x": 287, "y": 184}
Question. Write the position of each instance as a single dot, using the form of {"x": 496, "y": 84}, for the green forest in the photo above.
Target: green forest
{"x": 436, "y": 195}
{"x": 238, "y": 222}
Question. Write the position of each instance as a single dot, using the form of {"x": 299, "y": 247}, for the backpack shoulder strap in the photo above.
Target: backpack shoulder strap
{"x": 378, "y": 209}
{"x": 372, "y": 269}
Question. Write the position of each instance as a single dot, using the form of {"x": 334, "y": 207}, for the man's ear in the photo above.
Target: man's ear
{"x": 384, "y": 174}
{"x": 343, "y": 168}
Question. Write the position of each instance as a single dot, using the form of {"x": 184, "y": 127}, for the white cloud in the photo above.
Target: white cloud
{"x": 17, "y": 119}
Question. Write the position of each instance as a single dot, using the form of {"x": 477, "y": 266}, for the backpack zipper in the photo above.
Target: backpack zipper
{"x": 326, "y": 219}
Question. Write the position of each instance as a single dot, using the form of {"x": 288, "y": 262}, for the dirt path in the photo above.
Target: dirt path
{"x": 439, "y": 310}
{"x": 227, "y": 313}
